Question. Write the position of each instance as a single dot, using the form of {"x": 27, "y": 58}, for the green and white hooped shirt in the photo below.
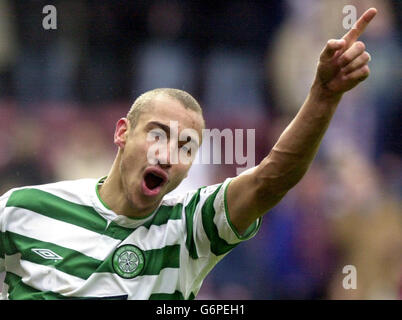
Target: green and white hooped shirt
{"x": 60, "y": 241}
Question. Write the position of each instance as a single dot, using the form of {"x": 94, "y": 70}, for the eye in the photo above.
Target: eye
{"x": 156, "y": 135}
{"x": 186, "y": 149}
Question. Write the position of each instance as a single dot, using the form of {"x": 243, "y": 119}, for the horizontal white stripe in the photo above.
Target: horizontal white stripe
{"x": 139, "y": 288}
{"x": 195, "y": 271}
{"x": 43, "y": 228}
{"x": 157, "y": 237}
{"x": 4, "y": 199}
{"x": 83, "y": 191}
{"x": 4, "y": 292}
{"x": 76, "y": 191}
{"x": 173, "y": 199}
{"x": 46, "y": 278}
{"x": 165, "y": 282}
{"x": 92, "y": 244}
{"x": 43, "y": 278}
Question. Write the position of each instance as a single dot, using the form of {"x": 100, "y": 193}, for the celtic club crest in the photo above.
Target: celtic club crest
{"x": 128, "y": 261}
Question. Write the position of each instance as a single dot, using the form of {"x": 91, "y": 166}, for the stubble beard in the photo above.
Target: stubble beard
{"x": 129, "y": 194}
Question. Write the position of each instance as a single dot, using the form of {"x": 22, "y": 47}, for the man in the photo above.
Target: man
{"x": 122, "y": 238}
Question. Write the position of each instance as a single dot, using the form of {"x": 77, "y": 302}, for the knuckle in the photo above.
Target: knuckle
{"x": 346, "y": 59}
{"x": 345, "y": 78}
{"x": 332, "y": 42}
{"x": 345, "y": 71}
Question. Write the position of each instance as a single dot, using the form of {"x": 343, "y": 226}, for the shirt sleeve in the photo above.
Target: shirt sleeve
{"x": 212, "y": 230}
{"x": 210, "y": 235}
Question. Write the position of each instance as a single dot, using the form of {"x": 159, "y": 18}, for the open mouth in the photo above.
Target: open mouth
{"x": 153, "y": 181}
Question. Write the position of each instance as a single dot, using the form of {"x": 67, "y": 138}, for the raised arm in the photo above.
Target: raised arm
{"x": 342, "y": 65}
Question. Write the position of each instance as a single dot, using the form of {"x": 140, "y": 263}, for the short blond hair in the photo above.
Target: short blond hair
{"x": 144, "y": 100}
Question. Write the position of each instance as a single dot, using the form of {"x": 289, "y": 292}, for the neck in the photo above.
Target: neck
{"x": 114, "y": 196}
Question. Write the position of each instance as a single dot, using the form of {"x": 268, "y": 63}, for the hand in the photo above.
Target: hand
{"x": 343, "y": 62}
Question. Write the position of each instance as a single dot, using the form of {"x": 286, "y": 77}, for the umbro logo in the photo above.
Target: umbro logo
{"x": 47, "y": 254}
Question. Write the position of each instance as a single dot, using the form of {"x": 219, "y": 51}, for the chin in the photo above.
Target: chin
{"x": 140, "y": 201}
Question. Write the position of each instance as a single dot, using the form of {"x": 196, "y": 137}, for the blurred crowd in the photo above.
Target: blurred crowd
{"x": 250, "y": 64}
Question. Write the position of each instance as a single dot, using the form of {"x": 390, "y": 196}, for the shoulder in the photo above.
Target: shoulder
{"x": 68, "y": 186}
{"x": 71, "y": 190}
{"x": 201, "y": 193}
{"x": 172, "y": 199}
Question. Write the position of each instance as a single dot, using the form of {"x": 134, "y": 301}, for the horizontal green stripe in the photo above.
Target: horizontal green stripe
{"x": 54, "y": 207}
{"x": 158, "y": 259}
{"x": 83, "y": 216}
{"x": 8, "y": 246}
{"x": 219, "y": 246}
{"x": 177, "y": 295}
{"x": 155, "y": 261}
{"x": 74, "y": 263}
{"x": 82, "y": 266}
{"x": 118, "y": 232}
{"x": 18, "y": 290}
{"x": 2, "y": 245}
{"x": 162, "y": 216}
{"x": 190, "y": 210}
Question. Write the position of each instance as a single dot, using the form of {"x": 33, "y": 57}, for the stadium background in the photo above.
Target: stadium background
{"x": 250, "y": 65}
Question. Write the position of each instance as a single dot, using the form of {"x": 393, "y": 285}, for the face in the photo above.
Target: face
{"x": 149, "y": 168}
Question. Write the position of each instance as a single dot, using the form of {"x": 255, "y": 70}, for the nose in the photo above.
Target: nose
{"x": 163, "y": 164}
{"x": 163, "y": 158}
{"x": 167, "y": 155}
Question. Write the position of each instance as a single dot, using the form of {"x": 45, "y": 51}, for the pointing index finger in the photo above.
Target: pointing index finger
{"x": 353, "y": 34}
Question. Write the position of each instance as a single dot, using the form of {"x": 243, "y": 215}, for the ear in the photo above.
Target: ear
{"x": 121, "y": 132}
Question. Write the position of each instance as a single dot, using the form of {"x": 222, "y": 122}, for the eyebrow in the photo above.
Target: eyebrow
{"x": 163, "y": 126}
{"x": 166, "y": 128}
